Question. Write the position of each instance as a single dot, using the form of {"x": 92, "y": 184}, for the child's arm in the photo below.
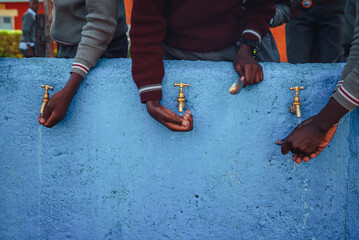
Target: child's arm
{"x": 256, "y": 22}
{"x": 58, "y": 105}
{"x": 102, "y": 16}
{"x": 148, "y": 28}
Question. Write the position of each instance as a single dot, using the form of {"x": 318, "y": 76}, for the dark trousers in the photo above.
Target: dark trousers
{"x": 316, "y": 35}
{"x": 118, "y": 48}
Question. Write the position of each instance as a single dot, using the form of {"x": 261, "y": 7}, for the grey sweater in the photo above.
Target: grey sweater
{"x": 347, "y": 91}
{"x": 91, "y": 24}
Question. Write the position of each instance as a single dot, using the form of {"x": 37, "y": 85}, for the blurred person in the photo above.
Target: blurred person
{"x": 309, "y": 139}
{"x": 86, "y": 30}
{"x": 315, "y": 32}
{"x": 28, "y": 37}
{"x": 193, "y": 30}
{"x": 268, "y": 51}
{"x": 348, "y": 31}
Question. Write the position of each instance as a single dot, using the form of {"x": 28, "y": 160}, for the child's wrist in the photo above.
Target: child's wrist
{"x": 73, "y": 84}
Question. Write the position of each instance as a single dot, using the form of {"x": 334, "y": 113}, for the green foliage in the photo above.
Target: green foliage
{"x": 9, "y": 43}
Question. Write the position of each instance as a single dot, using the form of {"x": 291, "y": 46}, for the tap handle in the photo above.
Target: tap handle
{"x": 181, "y": 85}
{"x": 47, "y": 87}
{"x": 296, "y": 89}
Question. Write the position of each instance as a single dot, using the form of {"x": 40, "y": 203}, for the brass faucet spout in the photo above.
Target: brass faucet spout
{"x": 295, "y": 108}
{"x": 181, "y": 99}
{"x": 46, "y": 97}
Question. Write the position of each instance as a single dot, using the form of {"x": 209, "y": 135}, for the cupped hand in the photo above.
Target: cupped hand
{"x": 307, "y": 140}
{"x": 56, "y": 109}
{"x": 246, "y": 66}
{"x": 168, "y": 118}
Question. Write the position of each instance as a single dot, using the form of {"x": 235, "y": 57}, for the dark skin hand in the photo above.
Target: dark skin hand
{"x": 247, "y": 67}
{"x": 59, "y": 103}
{"x": 168, "y": 118}
{"x": 310, "y": 138}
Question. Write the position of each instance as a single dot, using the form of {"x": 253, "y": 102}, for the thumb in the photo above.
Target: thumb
{"x": 47, "y": 112}
{"x": 285, "y": 146}
{"x": 240, "y": 72}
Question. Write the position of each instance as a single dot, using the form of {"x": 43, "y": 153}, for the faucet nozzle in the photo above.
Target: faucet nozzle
{"x": 181, "y": 99}
{"x": 295, "y": 108}
{"x": 46, "y": 97}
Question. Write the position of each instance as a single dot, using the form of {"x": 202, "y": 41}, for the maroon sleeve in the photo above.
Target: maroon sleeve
{"x": 257, "y": 16}
{"x": 148, "y": 28}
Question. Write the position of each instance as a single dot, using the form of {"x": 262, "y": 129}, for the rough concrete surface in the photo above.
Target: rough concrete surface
{"x": 109, "y": 171}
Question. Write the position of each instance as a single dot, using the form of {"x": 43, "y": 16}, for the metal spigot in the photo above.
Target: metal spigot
{"x": 46, "y": 97}
{"x": 181, "y": 99}
{"x": 295, "y": 108}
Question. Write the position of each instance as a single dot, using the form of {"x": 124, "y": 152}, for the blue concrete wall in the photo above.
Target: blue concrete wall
{"x": 109, "y": 171}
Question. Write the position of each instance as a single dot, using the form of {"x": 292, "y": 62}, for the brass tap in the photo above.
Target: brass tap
{"x": 181, "y": 99}
{"x": 46, "y": 98}
{"x": 295, "y": 108}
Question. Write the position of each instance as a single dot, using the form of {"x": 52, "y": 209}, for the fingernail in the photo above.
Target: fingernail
{"x": 42, "y": 120}
{"x": 185, "y": 123}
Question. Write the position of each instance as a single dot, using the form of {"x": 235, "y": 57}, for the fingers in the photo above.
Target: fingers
{"x": 188, "y": 116}
{"x": 47, "y": 112}
{"x": 297, "y": 158}
{"x": 248, "y": 75}
{"x": 52, "y": 121}
{"x": 186, "y": 124}
{"x": 306, "y": 158}
{"x": 259, "y": 74}
{"x": 317, "y": 151}
{"x": 175, "y": 122}
{"x": 253, "y": 74}
{"x": 50, "y": 118}
{"x": 172, "y": 117}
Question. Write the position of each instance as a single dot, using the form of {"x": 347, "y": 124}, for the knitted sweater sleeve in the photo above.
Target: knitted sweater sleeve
{"x": 148, "y": 28}
{"x": 347, "y": 90}
{"x": 96, "y": 34}
{"x": 256, "y": 19}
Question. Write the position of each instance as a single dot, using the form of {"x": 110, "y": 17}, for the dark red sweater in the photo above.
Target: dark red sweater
{"x": 194, "y": 25}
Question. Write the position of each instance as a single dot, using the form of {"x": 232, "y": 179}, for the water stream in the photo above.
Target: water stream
{"x": 40, "y": 185}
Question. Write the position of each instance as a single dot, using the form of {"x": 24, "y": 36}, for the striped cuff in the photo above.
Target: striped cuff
{"x": 150, "y": 92}
{"x": 339, "y": 84}
{"x": 80, "y": 69}
{"x": 346, "y": 99}
{"x": 252, "y": 35}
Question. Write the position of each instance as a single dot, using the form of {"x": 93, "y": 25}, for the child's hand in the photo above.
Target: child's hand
{"x": 246, "y": 66}
{"x": 57, "y": 107}
{"x": 307, "y": 140}
{"x": 168, "y": 118}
